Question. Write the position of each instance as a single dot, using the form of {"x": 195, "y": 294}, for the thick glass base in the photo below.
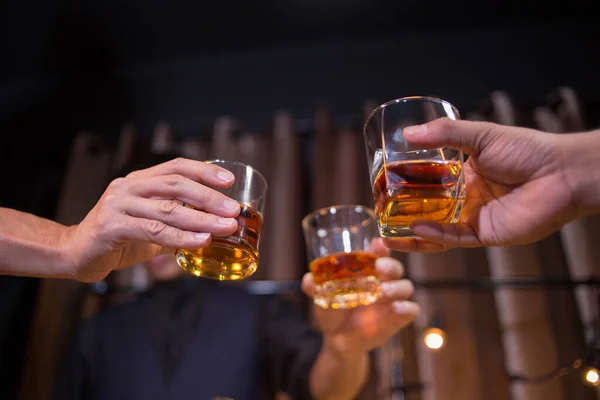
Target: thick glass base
{"x": 223, "y": 260}
{"x": 347, "y": 293}
{"x": 395, "y": 230}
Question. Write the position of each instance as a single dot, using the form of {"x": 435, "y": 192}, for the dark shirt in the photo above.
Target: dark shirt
{"x": 192, "y": 339}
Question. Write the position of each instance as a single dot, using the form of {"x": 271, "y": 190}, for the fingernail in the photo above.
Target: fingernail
{"x": 400, "y": 306}
{"x": 231, "y": 205}
{"x": 415, "y": 130}
{"x": 225, "y": 176}
{"x": 384, "y": 264}
{"x": 202, "y": 236}
{"x": 226, "y": 221}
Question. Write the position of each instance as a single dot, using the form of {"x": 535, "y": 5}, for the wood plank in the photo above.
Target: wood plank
{"x": 59, "y": 304}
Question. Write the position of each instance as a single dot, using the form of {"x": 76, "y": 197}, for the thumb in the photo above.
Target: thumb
{"x": 471, "y": 137}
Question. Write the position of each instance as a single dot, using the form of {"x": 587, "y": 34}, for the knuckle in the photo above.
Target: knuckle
{"x": 210, "y": 196}
{"x": 133, "y": 174}
{"x": 444, "y": 123}
{"x": 110, "y": 201}
{"x": 117, "y": 184}
{"x": 177, "y": 161}
{"x": 155, "y": 228}
{"x": 173, "y": 180}
{"x": 167, "y": 207}
{"x": 201, "y": 217}
{"x": 179, "y": 235}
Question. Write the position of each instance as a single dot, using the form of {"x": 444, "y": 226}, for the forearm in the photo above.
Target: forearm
{"x": 338, "y": 375}
{"x": 32, "y": 246}
{"x": 581, "y": 160}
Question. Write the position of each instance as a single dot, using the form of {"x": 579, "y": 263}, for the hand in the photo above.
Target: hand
{"x": 361, "y": 329}
{"x": 517, "y": 187}
{"x": 142, "y": 215}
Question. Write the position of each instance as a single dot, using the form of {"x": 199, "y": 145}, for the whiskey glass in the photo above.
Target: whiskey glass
{"x": 236, "y": 256}
{"x": 409, "y": 183}
{"x": 339, "y": 247}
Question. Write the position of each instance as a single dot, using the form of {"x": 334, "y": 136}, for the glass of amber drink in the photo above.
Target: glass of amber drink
{"x": 409, "y": 183}
{"x": 338, "y": 243}
{"x": 236, "y": 256}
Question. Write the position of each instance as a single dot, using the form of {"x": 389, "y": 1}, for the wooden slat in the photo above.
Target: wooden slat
{"x": 323, "y": 156}
{"x": 490, "y": 352}
{"x": 223, "y": 144}
{"x": 59, "y": 304}
{"x": 495, "y": 383}
{"x": 363, "y": 176}
{"x": 579, "y": 238}
{"x": 529, "y": 342}
{"x": 345, "y": 186}
{"x": 125, "y": 147}
{"x": 162, "y": 139}
{"x": 193, "y": 148}
{"x": 453, "y": 371}
{"x": 284, "y": 217}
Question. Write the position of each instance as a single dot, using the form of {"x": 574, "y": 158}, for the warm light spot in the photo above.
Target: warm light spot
{"x": 434, "y": 338}
{"x": 591, "y": 377}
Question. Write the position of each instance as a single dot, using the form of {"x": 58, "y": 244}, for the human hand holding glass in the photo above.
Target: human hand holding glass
{"x": 361, "y": 329}
{"x": 521, "y": 184}
{"x": 338, "y": 243}
{"x": 411, "y": 183}
{"x": 236, "y": 256}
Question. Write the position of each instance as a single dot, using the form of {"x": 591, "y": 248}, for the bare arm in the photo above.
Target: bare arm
{"x": 32, "y": 246}
{"x": 136, "y": 218}
{"x": 338, "y": 375}
{"x": 341, "y": 369}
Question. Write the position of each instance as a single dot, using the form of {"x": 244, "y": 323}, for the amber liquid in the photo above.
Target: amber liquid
{"x": 345, "y": 280}
{"x": 227, "y": 258}
{"x": 425, "y": 190}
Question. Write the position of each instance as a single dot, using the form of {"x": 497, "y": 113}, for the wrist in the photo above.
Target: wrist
{"x": 341, "y": 350}
{"x": 581, "y": 163}
{"x": 66, "y": 264}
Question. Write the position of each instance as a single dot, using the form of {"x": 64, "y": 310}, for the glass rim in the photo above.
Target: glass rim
{"x": 407, "y": 99}
{"x": 241, "y": 164}
{"x": 326, "y": 210}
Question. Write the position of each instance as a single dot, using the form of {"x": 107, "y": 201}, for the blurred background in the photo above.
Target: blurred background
{"x": 285, "y": 86}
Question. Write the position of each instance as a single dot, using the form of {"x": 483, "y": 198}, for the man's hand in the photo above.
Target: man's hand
{"x": 356, "y": 331}
{"x": 143, "y": 215}
{"x": 520, "y": 184}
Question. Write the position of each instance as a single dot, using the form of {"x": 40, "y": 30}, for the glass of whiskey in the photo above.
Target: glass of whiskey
{"x": 338, "y": 243}
{"x": 409, "y": 183}
{"x": 236, "y": 256}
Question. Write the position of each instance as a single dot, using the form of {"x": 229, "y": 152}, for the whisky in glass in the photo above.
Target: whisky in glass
{"x": 338, "y": 243}
{"x": 409, "y": 183}
{"x": 236, "y": 256}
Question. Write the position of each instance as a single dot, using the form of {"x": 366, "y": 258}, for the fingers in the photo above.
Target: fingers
{"x": 153, "y": 231}
{"x": 377, "y": 247}
{"x": 404, "y": 312}
{"x": 184, "y": 189}
{"x": 308, "y": 285}
{"x": 415, "y": 245}
{"x": 448, "y": 235}
{"x": 389, "y": 269}
{"x": 469, "y": 136}
{"x": 197, "y": 171}
{"x": 402, "y": 289}
{"x": 175, "y": 214}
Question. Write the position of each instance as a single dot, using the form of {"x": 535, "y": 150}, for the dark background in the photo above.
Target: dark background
{"x": 72, "y": 65}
